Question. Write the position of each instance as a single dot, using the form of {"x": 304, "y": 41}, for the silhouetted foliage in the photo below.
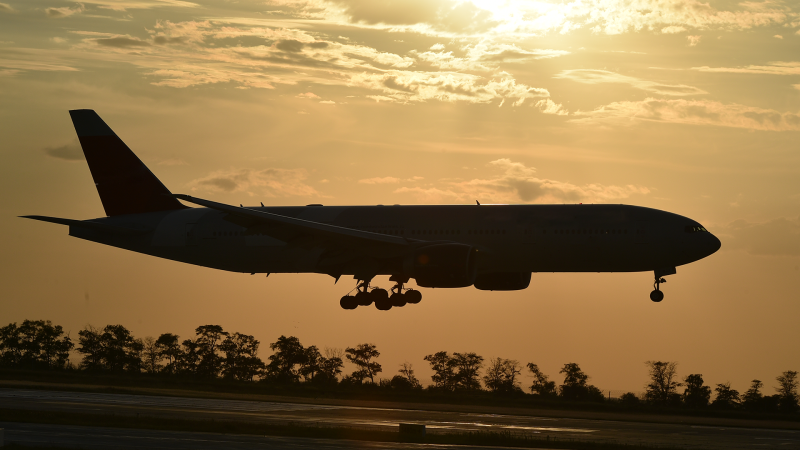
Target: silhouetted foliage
{"x": 284, "y": 364}
{"x": 405, "y": 379}
{"x": 113, "y": 349}
{"x": 787, "y": 391}
{"x": 241, "y": 360}
{"x": 443, "y": 367}
{"x": 502, "y": 376}
{"x": 576, "y": 387}
{"x": 726, "y": 397}
{"x": 151, "y": 356}
{"x": 34, "y": 344}
{"x": 541, "y": 385}
{"x": 468, "y": 366}
{"x": 189, "y": 359}
{"x": 696, "y": 395}
{"x": 209, "y": 338}
{"x": 629, "y": 399}
{"x": 663, "y": 386}
{"x": 169, "y": 349}
{"x": 362, "y": 356}
{"x": 330, "y": 367}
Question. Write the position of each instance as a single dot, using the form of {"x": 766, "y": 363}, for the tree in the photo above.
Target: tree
{"x": 405, "y": 379}
{"x": 629, "y": 399}
{"x": 787, "y": 391}
{"x": 443, "y": 367}
{"x": 113, "y": 349}
{"x": 330, "y": 366}
{"x": 241, "y": 360}
{"x": 289, "y": 353}
{"x": 726, "y": 398}
{"x": 310, "y": 366}
{"x": 208, "y": 339}
{"x": 362, "y": 356}
{"x": 35, "y": 344}
{"x": 151, "y": 355}
{"x": 541, "y": 385}
{"x": 468, "y": 366}
{"x": 169, "y": 349}
{"x": 696, "y": 395}
{"x": 663, "y": 386}
{"x": 189, "y": 359}
{"x": 502, "y": 376}
{"x": 752, "y": 398}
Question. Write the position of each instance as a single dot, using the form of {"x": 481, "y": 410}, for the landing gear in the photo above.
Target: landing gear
{"x": 382, "y": 298}
{"x": 657, "y": 295}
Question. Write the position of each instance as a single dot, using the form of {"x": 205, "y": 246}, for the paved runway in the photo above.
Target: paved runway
{"x": 676, "y": 435}
{"x": 126, "y": 439}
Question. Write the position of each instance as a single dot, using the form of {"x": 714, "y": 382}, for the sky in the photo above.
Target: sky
{"x": 687, "y": 106}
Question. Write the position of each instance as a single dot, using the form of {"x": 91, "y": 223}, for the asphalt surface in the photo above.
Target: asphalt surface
{"x": 654, "y": 434}
{"x": 125, "y": 439}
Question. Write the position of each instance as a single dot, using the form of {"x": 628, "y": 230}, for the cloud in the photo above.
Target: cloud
{"x": 380, "y": 180}
{"x": 548, "y": 106}
{"x": 435, "y": 47}
{"x": 64, "y": 11}
{"x": 778, "y": 36}
{"x": 402, "y": 86}
{"x": 776, "y": 237}
{"x": 693, "y": 40}
{"x": 593, "y": 76}
{"x": 68, "y": 152}
{"x": 122, "y": 42}
{"x": 266, "y": 182}
{"x": 773, "y": 68}
{"x": 173, "y": 162}
{"x": 5, "y": 7}
{"x": 692, "y": 112}
{"x": 124, "y": 5}
{"x": 308, "y": 95}
{"x": 518, "y": 183}
{"x": 673, "y": 29}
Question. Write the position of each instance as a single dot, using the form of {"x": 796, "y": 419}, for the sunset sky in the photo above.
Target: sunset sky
{"x": 687, "y": 106}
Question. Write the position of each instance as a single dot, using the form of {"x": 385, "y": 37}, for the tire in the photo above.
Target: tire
{"x": 398, "y": 300}
{"x": 348, "y": 302}
{"x": 413, "y": 296}
{"x": 656, "y": 296}
{"x": 363, "y": 299}
{"x": 378, "y": 295}
{"x": 383, "y": 305}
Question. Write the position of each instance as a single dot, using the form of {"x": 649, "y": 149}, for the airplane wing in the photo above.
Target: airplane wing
{"x": 290, "y": 228}
{"x": 92, "y": 225}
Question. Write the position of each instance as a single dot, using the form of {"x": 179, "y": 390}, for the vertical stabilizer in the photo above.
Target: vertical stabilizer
{"x": 125, "y": 184}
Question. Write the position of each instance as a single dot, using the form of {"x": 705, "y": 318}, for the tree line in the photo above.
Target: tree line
{"x": 213, "y": 353}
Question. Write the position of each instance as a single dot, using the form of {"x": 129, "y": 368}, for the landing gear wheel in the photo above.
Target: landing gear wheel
{"x": 398, "y": 299}
{"x": 363, "y": 298}
{"x": 413, "y": 296}
{"x": 379, "y": 295}
{"x": 383, "y": 304}
{"x": 656, "y": 296}
{"x": 348, "y": 302}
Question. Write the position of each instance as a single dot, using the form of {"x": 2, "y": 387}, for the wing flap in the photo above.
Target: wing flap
{"x": 97, "y": 226}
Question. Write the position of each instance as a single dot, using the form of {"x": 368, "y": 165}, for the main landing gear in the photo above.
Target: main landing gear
{"x": 380, "y": 297}
{"x": 657, "y": 295}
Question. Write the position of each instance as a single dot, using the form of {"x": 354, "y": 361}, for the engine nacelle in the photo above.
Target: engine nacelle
{"x": 442, "y": 265}
{"x": 503, "y": 281}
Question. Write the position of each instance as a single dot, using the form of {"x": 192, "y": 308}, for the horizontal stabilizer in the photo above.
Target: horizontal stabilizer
{"x": 96, "y": 226}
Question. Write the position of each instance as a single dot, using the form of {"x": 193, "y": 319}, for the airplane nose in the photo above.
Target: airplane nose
{"x": 713, "y": 244}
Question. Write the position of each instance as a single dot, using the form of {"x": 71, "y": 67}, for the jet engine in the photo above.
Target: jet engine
{"x": 503, "y": 281}
{"x": 442, "y": 265}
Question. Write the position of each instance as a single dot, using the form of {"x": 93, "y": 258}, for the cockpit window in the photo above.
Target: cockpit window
{"x": 695, "y": 229}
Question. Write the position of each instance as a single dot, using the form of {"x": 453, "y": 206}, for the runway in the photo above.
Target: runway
{"x": 127, "y": 439}
{"x": 627, "y": 432}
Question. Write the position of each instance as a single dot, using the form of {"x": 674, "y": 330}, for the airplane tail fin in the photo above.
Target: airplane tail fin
{"x": 125, "y": 184}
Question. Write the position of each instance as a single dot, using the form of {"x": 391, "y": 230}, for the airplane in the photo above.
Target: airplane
{"x": 490, "y": 247}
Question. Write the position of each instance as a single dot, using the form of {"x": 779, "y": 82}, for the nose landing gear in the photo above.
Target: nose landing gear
{"x": 657, "y": 295}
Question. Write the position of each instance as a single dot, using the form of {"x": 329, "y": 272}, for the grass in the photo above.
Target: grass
{"x": 479, "y": 438}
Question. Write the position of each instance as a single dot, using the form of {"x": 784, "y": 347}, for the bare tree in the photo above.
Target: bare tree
{"x": 663, "y": 386}
{"x": 502, "y": 375}
{"x": 151, "y": 355}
